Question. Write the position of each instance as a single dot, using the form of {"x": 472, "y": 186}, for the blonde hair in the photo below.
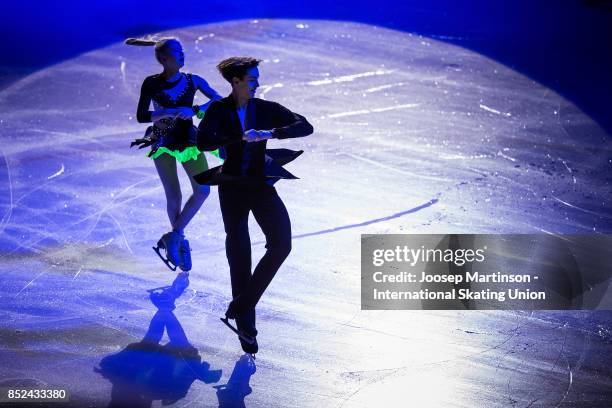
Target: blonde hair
{"x": 161, "y": 46}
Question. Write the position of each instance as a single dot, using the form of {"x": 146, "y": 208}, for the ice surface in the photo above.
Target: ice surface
{"x": 412, "y": 135}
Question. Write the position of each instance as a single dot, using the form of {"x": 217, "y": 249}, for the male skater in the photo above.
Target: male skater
{"x": 241, "y": 124}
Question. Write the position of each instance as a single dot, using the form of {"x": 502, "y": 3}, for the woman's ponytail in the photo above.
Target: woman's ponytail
{"x": 140, "y": 42}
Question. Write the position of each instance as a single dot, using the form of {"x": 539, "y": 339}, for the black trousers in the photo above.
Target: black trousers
{"x": 236, "y": 202}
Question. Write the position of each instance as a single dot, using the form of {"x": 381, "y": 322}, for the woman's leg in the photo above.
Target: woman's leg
{"x": 199, "y": 195}
{"x": 166, "y": 168}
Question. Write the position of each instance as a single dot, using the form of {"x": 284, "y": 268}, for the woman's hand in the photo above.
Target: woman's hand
{"x": 184, "y": 113}
{"x": 164, "y": 114}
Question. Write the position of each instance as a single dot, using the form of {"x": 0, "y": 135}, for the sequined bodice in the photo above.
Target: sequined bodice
{"x": 169, "y": 95}
{"x": 179, "y": 93}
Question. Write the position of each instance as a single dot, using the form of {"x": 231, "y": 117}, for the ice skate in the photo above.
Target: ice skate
{"x": 247, "y": 337}
{"x": 244, "y": 337}
{"x": 249, "y": 348}
{"x": 185, "y": 253}
{"x": 169, "y": 242}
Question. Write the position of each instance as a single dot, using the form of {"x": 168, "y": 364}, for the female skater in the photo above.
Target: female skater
{"x": 172, "y": 138}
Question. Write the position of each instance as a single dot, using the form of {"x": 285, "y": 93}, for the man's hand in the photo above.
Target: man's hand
{"x": 253, "y": 135}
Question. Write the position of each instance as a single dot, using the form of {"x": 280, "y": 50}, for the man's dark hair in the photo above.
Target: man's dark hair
{"x": 236, "y": 67}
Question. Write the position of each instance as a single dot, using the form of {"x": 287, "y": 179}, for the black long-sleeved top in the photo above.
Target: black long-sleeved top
{"x": 175, "y": 133}
{"x": 221, "y": 128}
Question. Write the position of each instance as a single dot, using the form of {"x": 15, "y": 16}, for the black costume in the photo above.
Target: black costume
{"x": 245, "y": 184}
{"x": 174, "y": 134}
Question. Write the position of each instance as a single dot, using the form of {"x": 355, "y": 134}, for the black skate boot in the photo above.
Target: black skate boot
{"x": 169, "y": 242}
{"x": 185, "y": 252}
{"x": 246, "y": 335}
{"x": 249, "y": 348}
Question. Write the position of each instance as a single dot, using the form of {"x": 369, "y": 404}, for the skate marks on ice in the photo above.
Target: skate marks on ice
{"x": 442, "y": 137}
{"x": 402, "y": 144}
{"x": 491, "y": 365}
{"x": 128, "y": 338}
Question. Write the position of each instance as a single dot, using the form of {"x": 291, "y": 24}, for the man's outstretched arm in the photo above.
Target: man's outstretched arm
{"x": 290, "y": 124}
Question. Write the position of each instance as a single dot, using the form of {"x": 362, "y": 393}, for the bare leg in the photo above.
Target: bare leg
{"x": 166, "y": 168}
{"x": 200, "y": 193}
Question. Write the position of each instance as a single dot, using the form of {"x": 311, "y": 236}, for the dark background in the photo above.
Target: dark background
{"x": 565, "y": 44}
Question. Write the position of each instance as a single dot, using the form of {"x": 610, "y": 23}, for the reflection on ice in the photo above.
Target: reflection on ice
{"x": 146, "y": 371}
{"x": 402, "y": 145}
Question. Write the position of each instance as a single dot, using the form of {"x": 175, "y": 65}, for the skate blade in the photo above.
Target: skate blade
{"x": 240, "y": 334}
{"x": 167, "y": 262}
